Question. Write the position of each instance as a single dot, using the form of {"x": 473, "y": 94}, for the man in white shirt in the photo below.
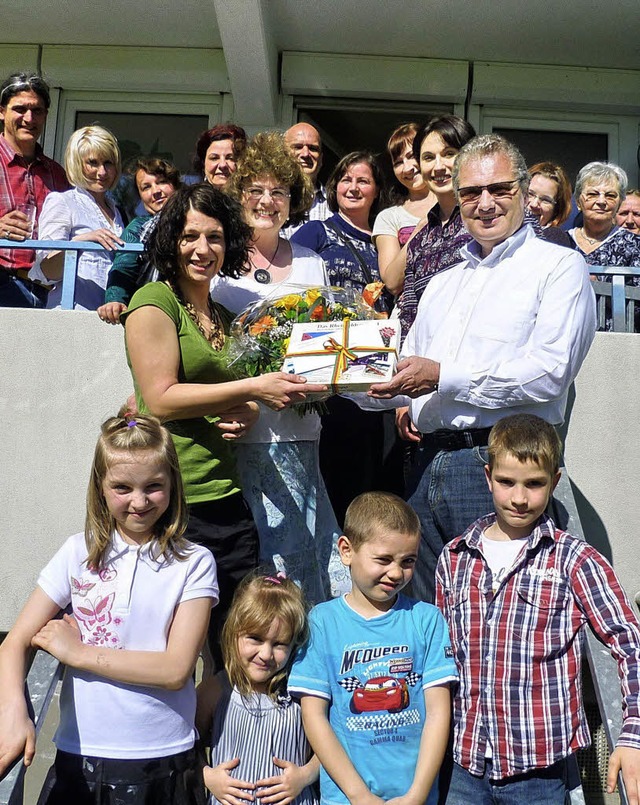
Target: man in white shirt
{"x": 504, "y": 331}
{"x": 305, "y": 144}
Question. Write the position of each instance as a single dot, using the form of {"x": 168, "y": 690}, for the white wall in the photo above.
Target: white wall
{"x": 64, "y": 372}
{"x": 603, "y": 451}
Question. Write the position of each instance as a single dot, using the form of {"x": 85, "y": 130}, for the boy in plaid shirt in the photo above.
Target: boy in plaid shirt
{"x": 516, "y": 592}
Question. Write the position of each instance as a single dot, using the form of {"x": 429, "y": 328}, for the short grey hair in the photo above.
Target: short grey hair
{"x": 490, "y": 145}
{"x": 599, "y": 172}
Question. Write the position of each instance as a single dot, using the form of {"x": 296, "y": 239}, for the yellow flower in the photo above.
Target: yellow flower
{"x": 285, "y": 345}
{"x": 311, "y": 295}
{"x": 288, "y": 302}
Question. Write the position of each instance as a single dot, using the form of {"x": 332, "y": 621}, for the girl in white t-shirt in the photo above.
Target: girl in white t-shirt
{"x": 259, "y": 751}
{"x": 140, "y": 597}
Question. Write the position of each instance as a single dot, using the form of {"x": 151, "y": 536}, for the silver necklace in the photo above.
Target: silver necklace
{"x": 263, "y": 275}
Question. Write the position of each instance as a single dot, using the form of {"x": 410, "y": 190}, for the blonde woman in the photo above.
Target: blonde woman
{"x": 84, "y": 213}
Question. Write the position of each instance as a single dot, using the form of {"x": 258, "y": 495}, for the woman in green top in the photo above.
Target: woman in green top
{"x": 175, "y": 336}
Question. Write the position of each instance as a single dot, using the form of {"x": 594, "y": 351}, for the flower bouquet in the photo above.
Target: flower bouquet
{"x": 260, "y": 334}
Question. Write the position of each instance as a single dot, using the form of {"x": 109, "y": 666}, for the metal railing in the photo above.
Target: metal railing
{"x": 623, "y": 297}
{"x": 72, "y": 251}
{"x": 40, "y": 685}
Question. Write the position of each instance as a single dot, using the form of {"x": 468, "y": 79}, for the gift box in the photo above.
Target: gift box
{"x": 345, "y": 355}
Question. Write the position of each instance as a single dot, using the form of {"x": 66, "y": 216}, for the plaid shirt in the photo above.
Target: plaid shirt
{"x": 518, "y": 651}
{"x": 22, "y": 182}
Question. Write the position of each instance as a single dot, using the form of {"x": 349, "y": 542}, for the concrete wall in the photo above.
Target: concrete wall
{"x": 64, "y": 372}
{"x": 61, "y": 374}
{"x": 603, "y": 451}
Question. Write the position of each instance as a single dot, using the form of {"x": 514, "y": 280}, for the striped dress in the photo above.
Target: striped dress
{"x": 256, "y": 730}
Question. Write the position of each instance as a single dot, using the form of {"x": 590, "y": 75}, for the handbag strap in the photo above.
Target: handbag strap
{"x": 344, "y": 239}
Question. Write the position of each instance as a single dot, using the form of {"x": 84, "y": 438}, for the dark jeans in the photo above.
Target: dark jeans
{"x": 539, "y": 787}
{"x": 227, "y": 529}
{"x": 17, "y": 292}
{"x": 81, "y": 780}
{"x": 359, "y": 452}
{"x": 448, "y": 491}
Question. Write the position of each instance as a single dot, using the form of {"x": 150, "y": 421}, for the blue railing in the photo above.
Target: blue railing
{"x": 72, "y": 251}
{"x": 623, "y": 297}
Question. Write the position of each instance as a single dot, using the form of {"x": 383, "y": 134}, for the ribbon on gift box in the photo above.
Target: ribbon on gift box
{"x": 343, "y": 352}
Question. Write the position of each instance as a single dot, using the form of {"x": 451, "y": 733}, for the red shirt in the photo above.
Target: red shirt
{"x": 519, "y": 649}
{"x": 22, "y": 182}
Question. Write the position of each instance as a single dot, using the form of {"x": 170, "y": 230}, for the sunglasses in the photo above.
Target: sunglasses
{"x": 472, "y": 193}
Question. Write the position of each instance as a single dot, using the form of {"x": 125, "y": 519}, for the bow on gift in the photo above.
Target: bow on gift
{"x": 344, "y": 355}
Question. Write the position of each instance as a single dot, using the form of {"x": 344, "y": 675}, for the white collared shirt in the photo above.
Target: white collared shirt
{"x": 63, "y": 216}
{"x": 319, "y": 212}
{"x": 510, "y": 330}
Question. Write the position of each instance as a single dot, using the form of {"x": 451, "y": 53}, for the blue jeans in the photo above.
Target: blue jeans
{"x": 539, "y": 787}
{"x": 448, "y": 491}
{"x": 16, "y": 292}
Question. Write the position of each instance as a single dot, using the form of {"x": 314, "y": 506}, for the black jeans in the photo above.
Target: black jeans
{"x": 82, "y": 780}
{"x": 227, "y": 529}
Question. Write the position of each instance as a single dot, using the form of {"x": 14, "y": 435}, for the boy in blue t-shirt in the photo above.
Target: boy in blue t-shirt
{"x": 374, "y": 677}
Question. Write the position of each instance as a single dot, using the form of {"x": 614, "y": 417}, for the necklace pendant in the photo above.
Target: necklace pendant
{"x": 262, "y": 276}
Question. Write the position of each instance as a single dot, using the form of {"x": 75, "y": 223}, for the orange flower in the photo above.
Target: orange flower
{"x": 319, "y": 313}
{"x": 263, "y": 325}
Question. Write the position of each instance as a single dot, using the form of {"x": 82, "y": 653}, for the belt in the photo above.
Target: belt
{"x": 457, "y": 439}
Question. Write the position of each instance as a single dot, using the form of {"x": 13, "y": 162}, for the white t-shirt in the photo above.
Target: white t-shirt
{"x": 501, "y": 555}
{"x": 393, "y": 221}
{"x": 307, "y": 269}
{"x": 129, "y": 604}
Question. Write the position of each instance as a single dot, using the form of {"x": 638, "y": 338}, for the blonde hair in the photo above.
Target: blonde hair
{"x": 378, "y": 510}
{"x": 258, "y": 602}
{"x": 528, "y": 438}
{"x": 90, "y": 141}
{"x": 133, "y": 436}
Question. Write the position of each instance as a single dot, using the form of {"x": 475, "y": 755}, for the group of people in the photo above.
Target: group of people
{"x": 238, "y": 502}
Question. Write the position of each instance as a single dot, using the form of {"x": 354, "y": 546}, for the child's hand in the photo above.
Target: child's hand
{"x": 285, "y": 787}
{"x": 61, "y": 638}
{"x": 225, "y": 788}
{"x": 368, "y": 799}
{"x": 17, "y": 735}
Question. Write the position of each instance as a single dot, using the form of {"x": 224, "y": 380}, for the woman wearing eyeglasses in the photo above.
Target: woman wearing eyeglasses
{"x": 278, "y": 458}
{"x": 600, "y": 189}
{"x": 549, "y": 195}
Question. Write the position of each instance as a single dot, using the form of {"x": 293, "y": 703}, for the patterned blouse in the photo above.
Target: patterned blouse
{"x": 435, "y": 248}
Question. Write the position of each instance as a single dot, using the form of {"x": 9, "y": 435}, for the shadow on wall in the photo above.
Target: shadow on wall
{"x": 593, "y": 528}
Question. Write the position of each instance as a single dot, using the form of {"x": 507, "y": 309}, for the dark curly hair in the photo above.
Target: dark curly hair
{"x": 355, "y": 158}
{"x": 268, "y": 155}
{"x": 223, "y": 131}
{"x": 162, "y": 246}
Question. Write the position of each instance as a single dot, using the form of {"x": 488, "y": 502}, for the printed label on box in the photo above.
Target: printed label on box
{"x": 346, "y": 355}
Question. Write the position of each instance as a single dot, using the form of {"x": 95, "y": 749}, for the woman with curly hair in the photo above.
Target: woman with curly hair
{"x": 278, "y": 459}
{"x": 176, "y": 343}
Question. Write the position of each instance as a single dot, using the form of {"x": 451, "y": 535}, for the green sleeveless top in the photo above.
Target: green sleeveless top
{"x": 206, "y": 461}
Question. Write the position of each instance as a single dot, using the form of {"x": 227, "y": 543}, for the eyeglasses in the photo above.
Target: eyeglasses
{"x": 277, "y": 196}
{"x": 472, "y": 193}
{"x": 543, "y": 201}
{"x": 594, "y": 195}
